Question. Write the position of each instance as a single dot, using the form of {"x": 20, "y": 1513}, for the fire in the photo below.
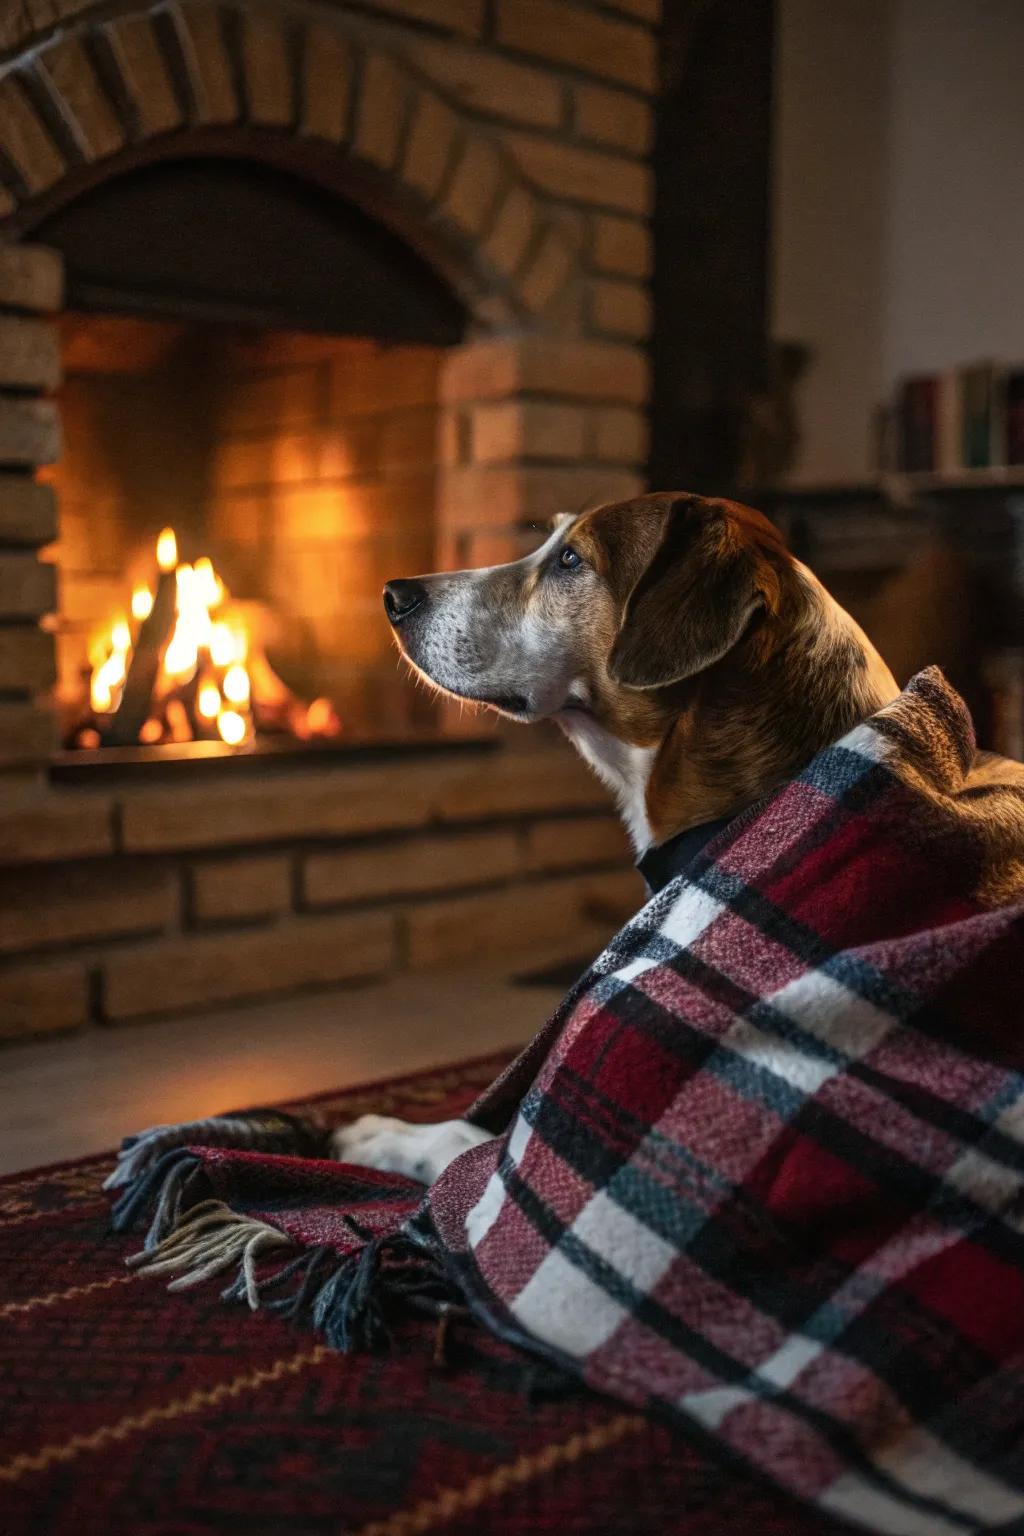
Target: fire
{"x": 185, "y": 668}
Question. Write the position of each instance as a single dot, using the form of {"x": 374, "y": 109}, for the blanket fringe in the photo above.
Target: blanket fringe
{"x": 207, "y": 1240}
{"x": 345, "y": 1297}
{"x": 164, "y": 1186}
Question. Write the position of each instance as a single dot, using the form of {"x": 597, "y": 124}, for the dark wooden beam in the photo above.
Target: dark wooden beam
{"x": 712, "y": 165}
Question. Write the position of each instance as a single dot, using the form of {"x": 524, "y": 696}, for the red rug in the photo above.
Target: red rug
{"x": 178, "y": 1415}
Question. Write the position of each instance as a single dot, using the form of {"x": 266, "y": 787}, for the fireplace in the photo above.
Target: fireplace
{"x": 277, "y": 423}
{"x": 293, "y": 300}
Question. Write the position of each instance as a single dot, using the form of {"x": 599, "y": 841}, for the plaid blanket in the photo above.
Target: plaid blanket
{"x": 761, "y": 1172}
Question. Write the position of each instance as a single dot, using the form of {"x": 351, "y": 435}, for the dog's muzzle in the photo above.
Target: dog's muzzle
{"x": 402, "y": 598}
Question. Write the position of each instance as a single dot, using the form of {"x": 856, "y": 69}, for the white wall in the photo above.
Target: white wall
{"x": 828, "y": 218}
{"x": 898, "y": 201}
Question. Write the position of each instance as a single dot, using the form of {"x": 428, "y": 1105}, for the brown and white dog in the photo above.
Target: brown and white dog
{"x": 687, "y": 655}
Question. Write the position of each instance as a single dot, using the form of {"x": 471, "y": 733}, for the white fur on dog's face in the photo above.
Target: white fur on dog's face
{"x": 508, "y": 636}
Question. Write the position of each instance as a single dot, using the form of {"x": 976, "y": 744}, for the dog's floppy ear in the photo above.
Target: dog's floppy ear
{"x": 694, "y": 596}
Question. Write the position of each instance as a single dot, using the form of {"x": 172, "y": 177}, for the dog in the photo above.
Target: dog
{"x": 687, "y": 655}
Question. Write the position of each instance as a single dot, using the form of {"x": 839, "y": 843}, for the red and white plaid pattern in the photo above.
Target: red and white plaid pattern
{"x": 768, "y": 1176}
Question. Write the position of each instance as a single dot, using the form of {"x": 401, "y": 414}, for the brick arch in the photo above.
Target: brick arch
{"x": 308, "y": 92}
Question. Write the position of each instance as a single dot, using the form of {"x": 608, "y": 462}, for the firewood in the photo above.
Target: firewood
{"x": 143, "y": 669}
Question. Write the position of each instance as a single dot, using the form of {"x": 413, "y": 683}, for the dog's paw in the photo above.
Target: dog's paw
{"x": 420, "y": 1152}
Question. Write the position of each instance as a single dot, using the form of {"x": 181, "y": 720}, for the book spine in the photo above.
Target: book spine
{"x": 997, "y": 443}
{"x": 918, "y": 401}
{"x": 1015, "y": 416}
{"x": 949, "y": 422}
{"x": 977, "y": 393}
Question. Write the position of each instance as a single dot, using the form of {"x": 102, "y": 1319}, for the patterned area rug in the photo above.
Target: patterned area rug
{"x": 178, "y": 1415}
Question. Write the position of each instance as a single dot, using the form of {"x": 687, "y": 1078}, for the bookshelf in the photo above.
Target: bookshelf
{"x": 1001, "y": 477}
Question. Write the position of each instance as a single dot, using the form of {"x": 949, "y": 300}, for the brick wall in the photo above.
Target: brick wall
{"x": 535, "y": 425}
{"x": 30, "y": 289}
{"x": 567, "y": 88}
{"x": 152, "y": 901}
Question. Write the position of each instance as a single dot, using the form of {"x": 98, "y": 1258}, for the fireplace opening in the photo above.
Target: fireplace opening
{"x": 246, "y": 461}
{"x": 232, "y": 502}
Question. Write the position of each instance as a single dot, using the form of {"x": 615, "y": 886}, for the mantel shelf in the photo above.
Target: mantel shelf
{"x": 897, "y": 488}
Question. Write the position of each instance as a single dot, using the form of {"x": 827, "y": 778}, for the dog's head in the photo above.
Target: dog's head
{"x": 613, "y": 611}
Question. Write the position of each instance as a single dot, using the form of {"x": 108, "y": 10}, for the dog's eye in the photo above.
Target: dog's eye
{"x": 569, "y": 559}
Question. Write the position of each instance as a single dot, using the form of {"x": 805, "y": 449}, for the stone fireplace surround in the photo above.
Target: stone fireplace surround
{"x": 507, "y": 142}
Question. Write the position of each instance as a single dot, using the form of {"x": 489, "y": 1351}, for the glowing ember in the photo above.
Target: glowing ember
{"x": 322, "y": 719}
{"x": 186, "y": 664}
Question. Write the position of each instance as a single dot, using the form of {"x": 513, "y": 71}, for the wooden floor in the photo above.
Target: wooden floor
{"x": 67, "y": 1098}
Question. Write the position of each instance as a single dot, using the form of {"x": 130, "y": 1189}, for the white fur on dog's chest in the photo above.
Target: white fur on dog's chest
{"x": 625, "y": 769}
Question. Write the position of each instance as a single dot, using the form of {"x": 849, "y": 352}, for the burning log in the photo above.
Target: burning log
{"x": 137, "y": 696}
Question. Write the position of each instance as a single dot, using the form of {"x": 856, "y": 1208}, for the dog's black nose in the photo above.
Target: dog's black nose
{"x": 402, "y": 598}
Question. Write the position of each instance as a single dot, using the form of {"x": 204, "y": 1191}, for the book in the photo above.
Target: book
{"x": 949, "y": 429}
{"x": 918, "y": 397}
{"x": 1015, "y": 416}
{"x": 978, "y": 382}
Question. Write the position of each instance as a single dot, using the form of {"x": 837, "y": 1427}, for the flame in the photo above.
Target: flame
{"x": 110, "y": 668}
{"x": 232, "y": 727}
{"x": 181, "y": 657}
{"x": 236, "y": 684}
{"x": 211, "y": 676}
{"x": 167, "y": 550}
{"x": 208, "y": 587}
{"x": 142, "y": 603}
{"x": 222, "y": 645}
